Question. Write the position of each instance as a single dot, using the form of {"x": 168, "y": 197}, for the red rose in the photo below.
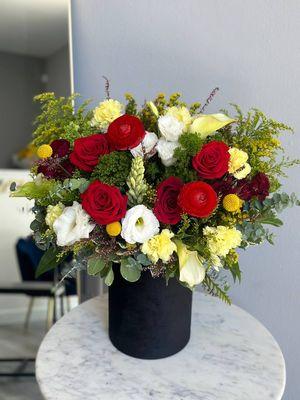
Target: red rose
{"x": 166, "y": 207}
{"x": 60, "y": 147}
{"x": 104, "y": 203}
{"x": 212, "y": 160}
{"x": 125, "y": 132}
{"x": 87, "y": 151}
{"x": 197, "y": 199}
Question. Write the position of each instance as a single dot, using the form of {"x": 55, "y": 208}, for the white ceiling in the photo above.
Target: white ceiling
{"x": 33, "y": 27}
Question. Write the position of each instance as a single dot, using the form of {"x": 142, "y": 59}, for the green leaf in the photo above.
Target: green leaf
{"x": 130, "y": 269}
{"x": 49, "y": 261}
{"x": 236, "y": 272}
{"x": 95, "y": 265}
{"x": 269, "y": 220}
{"x": 143, "y": 260}
{"x": 109, "y": 277}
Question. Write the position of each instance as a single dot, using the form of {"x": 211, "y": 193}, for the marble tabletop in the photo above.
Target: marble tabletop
{"x": 231, "y": 356}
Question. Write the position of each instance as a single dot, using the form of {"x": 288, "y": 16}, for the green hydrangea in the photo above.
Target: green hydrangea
{"x": 113, "y": 169}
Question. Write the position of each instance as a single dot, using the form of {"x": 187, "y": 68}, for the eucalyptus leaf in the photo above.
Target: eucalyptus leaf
{"x": 130, "y": 269}
{"x": 95, "y": 265}
{"x": 109, "y": 277}
{"x": 143, "y": 259}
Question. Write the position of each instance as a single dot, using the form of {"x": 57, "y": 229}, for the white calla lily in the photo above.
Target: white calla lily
{"x": 191, "y": 268}
{"x": 206, "y": 124}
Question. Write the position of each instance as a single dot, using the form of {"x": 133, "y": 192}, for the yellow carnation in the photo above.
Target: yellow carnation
{"x": 238, "y": 165}
{"x": 53, "y": 212}
{"x": 159, "y": 246}
{"x": 182, "y": 114}
{"x": 221, "y": 240}
{"x": 107, "y": 112}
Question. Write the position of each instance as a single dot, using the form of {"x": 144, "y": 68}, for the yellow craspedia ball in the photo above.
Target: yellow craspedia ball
{"x": 44, "y": 151}
{"x": 114, "y": 229}
{"x": 232, "y": 202}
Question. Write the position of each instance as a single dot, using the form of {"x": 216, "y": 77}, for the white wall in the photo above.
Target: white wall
{"x": 15, "y": 218}
{"x": 250, "y": 49}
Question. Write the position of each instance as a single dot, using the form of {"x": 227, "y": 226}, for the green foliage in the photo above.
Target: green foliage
{"x": 113, "y": 168}
{"x": 130, "y": 269}
{"x": 131, "y": 106}
{"x": 50, "y": 260}
{"x": 95, "y": 265}
{"x": 280, "y": 201}
{"x": 259, "y": 135}
{"x": 109, "y": 278}
{"x": 59, "y": 120}
{"x": 215, "y": 289}
{"x": 190, "y": 145}
{"x": 48, "y": 191}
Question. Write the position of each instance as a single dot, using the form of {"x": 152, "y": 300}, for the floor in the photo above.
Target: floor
{"x": 15, "y": 342}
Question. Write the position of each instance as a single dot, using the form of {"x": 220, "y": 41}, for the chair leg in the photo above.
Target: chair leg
{"x": 28, "y": 314}
{"x": 68, "y": 303}
{"x": 62, "y": 309}
{"x": 50, "y": 312}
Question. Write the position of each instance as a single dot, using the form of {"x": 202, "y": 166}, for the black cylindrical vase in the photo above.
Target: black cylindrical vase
{"x": 149, "y": 319}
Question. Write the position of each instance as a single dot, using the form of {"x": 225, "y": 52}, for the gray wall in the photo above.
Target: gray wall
{"x": 57, "y": 69}
{"x": 20, "y": 80}
{"x": 250, "y": 49}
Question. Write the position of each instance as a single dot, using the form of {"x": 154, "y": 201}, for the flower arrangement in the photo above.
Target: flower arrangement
{"x": 165, "y": 188}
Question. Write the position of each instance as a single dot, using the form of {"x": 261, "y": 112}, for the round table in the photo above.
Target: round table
{"x": 230, "y": 356}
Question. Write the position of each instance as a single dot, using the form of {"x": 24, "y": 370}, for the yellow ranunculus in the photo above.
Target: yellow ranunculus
{"x": 160, "y": 246}
{"x": 206, "y": 124}
{"x": 182, "y": 114}
{"x": 106, "y": 112}
{"x": 191, "y": 269}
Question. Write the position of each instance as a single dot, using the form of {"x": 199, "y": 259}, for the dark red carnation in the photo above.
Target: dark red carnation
{"x": 87, "y": 151}
{"x": 125, "y": 132}
{"x": 258, "y": 186}
{"x": 104, "y": 203}
{"x": 211, "y": 162}
{"x": 224, "y": 186}
{"x": 166, "y": 207}
{"x": 197, "y": 199}
{"x": 60, "y": 147}
{"x": 58, "y": 165}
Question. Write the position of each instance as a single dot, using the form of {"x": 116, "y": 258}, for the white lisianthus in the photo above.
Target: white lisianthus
{"x": 72, "y": 225}
{"x": 191, "y": 268}
{"x": 139, "y": 225}
{"x": 147, "y": 147}
{"x": 166, "y": 150}
{"x": 170, "y": 128}
{"x": 182, "y": 114}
